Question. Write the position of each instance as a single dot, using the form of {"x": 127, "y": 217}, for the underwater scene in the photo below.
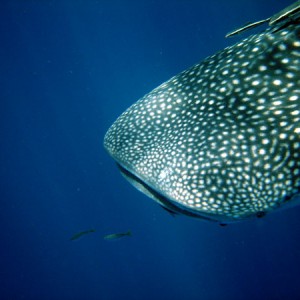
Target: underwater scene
{"x": 150, "y": 149}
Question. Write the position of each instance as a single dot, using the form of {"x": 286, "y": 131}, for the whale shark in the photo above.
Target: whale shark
{"x": 220, "y": 141}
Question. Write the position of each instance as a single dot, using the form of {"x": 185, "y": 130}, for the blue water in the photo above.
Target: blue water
{"x": 67, "y": 69}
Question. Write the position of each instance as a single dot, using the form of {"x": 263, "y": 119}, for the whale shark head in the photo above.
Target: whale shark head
{"x": 220, "y": 140}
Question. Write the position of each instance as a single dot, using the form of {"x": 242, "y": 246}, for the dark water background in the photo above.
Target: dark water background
{"x": 67, "y": 70}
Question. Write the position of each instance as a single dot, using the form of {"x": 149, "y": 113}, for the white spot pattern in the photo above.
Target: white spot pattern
{"x": 221, "y": 139}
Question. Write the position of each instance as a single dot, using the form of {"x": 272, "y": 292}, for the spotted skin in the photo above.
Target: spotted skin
{"x": 221, "y": 140}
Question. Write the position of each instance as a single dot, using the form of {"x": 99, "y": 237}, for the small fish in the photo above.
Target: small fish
{"x": 115, "y": 236}
{"x": 288, "y": 14}
{"x": 81, "y": 233}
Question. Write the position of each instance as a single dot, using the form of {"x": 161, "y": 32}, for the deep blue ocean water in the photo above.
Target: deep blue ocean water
{"x": 68, "y": 69}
